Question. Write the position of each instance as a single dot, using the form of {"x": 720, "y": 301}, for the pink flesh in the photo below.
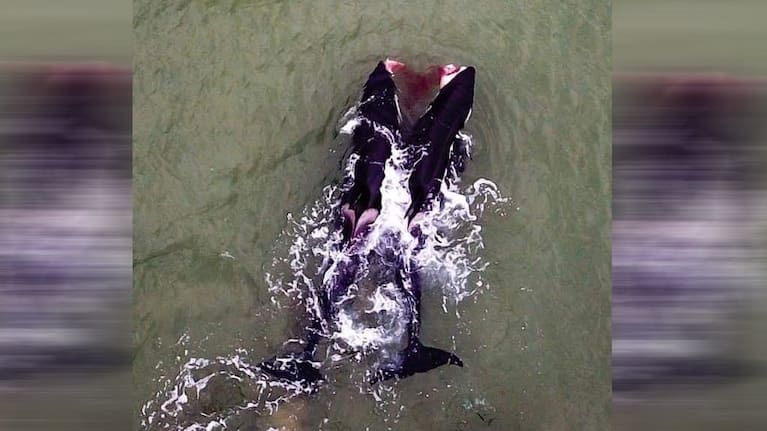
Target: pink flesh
{"x": 367, "y": 217}
{"x": 448, "y": 72}
{"x": 394, "y": 66}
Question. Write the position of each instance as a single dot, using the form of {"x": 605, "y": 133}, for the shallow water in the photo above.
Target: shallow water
{"x": 237, "y": 107}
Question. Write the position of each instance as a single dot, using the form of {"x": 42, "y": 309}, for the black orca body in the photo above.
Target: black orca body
{"x": 434, "y": 142}
{"x": 435, "y": 138}
{"x": 371, "y": 142}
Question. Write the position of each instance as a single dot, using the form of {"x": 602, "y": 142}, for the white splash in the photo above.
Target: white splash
{"x": 183, "y": 399}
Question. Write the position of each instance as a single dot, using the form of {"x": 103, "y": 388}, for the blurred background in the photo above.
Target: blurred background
{"x": 689, "y": 211}
{"x": 65, "y": 215}
{"x": 689, "y": 208}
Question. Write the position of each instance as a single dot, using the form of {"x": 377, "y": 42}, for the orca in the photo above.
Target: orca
{"x": 435, "y": 144}
{"x": 435, "y": 136}
{"x": 371, "y": 142}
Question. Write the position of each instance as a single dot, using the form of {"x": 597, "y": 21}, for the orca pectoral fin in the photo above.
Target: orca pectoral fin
{"x": 294, "y": 367}
{"x": 417, "y": 358}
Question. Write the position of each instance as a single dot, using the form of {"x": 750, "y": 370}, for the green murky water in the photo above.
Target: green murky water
{"x": 236, "y": 106}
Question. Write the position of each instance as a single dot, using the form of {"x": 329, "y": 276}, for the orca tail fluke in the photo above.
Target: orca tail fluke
{"x": 298, "y": 368}
{"x": 417, "y": 358}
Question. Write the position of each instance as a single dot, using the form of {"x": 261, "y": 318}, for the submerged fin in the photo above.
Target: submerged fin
{"x": 417, "y": 358}
{"x": 459, "y": 153}
{"x": 349, "y": 220}
{"x": 294, "y": 367}
{"x": 366, "y": 218}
